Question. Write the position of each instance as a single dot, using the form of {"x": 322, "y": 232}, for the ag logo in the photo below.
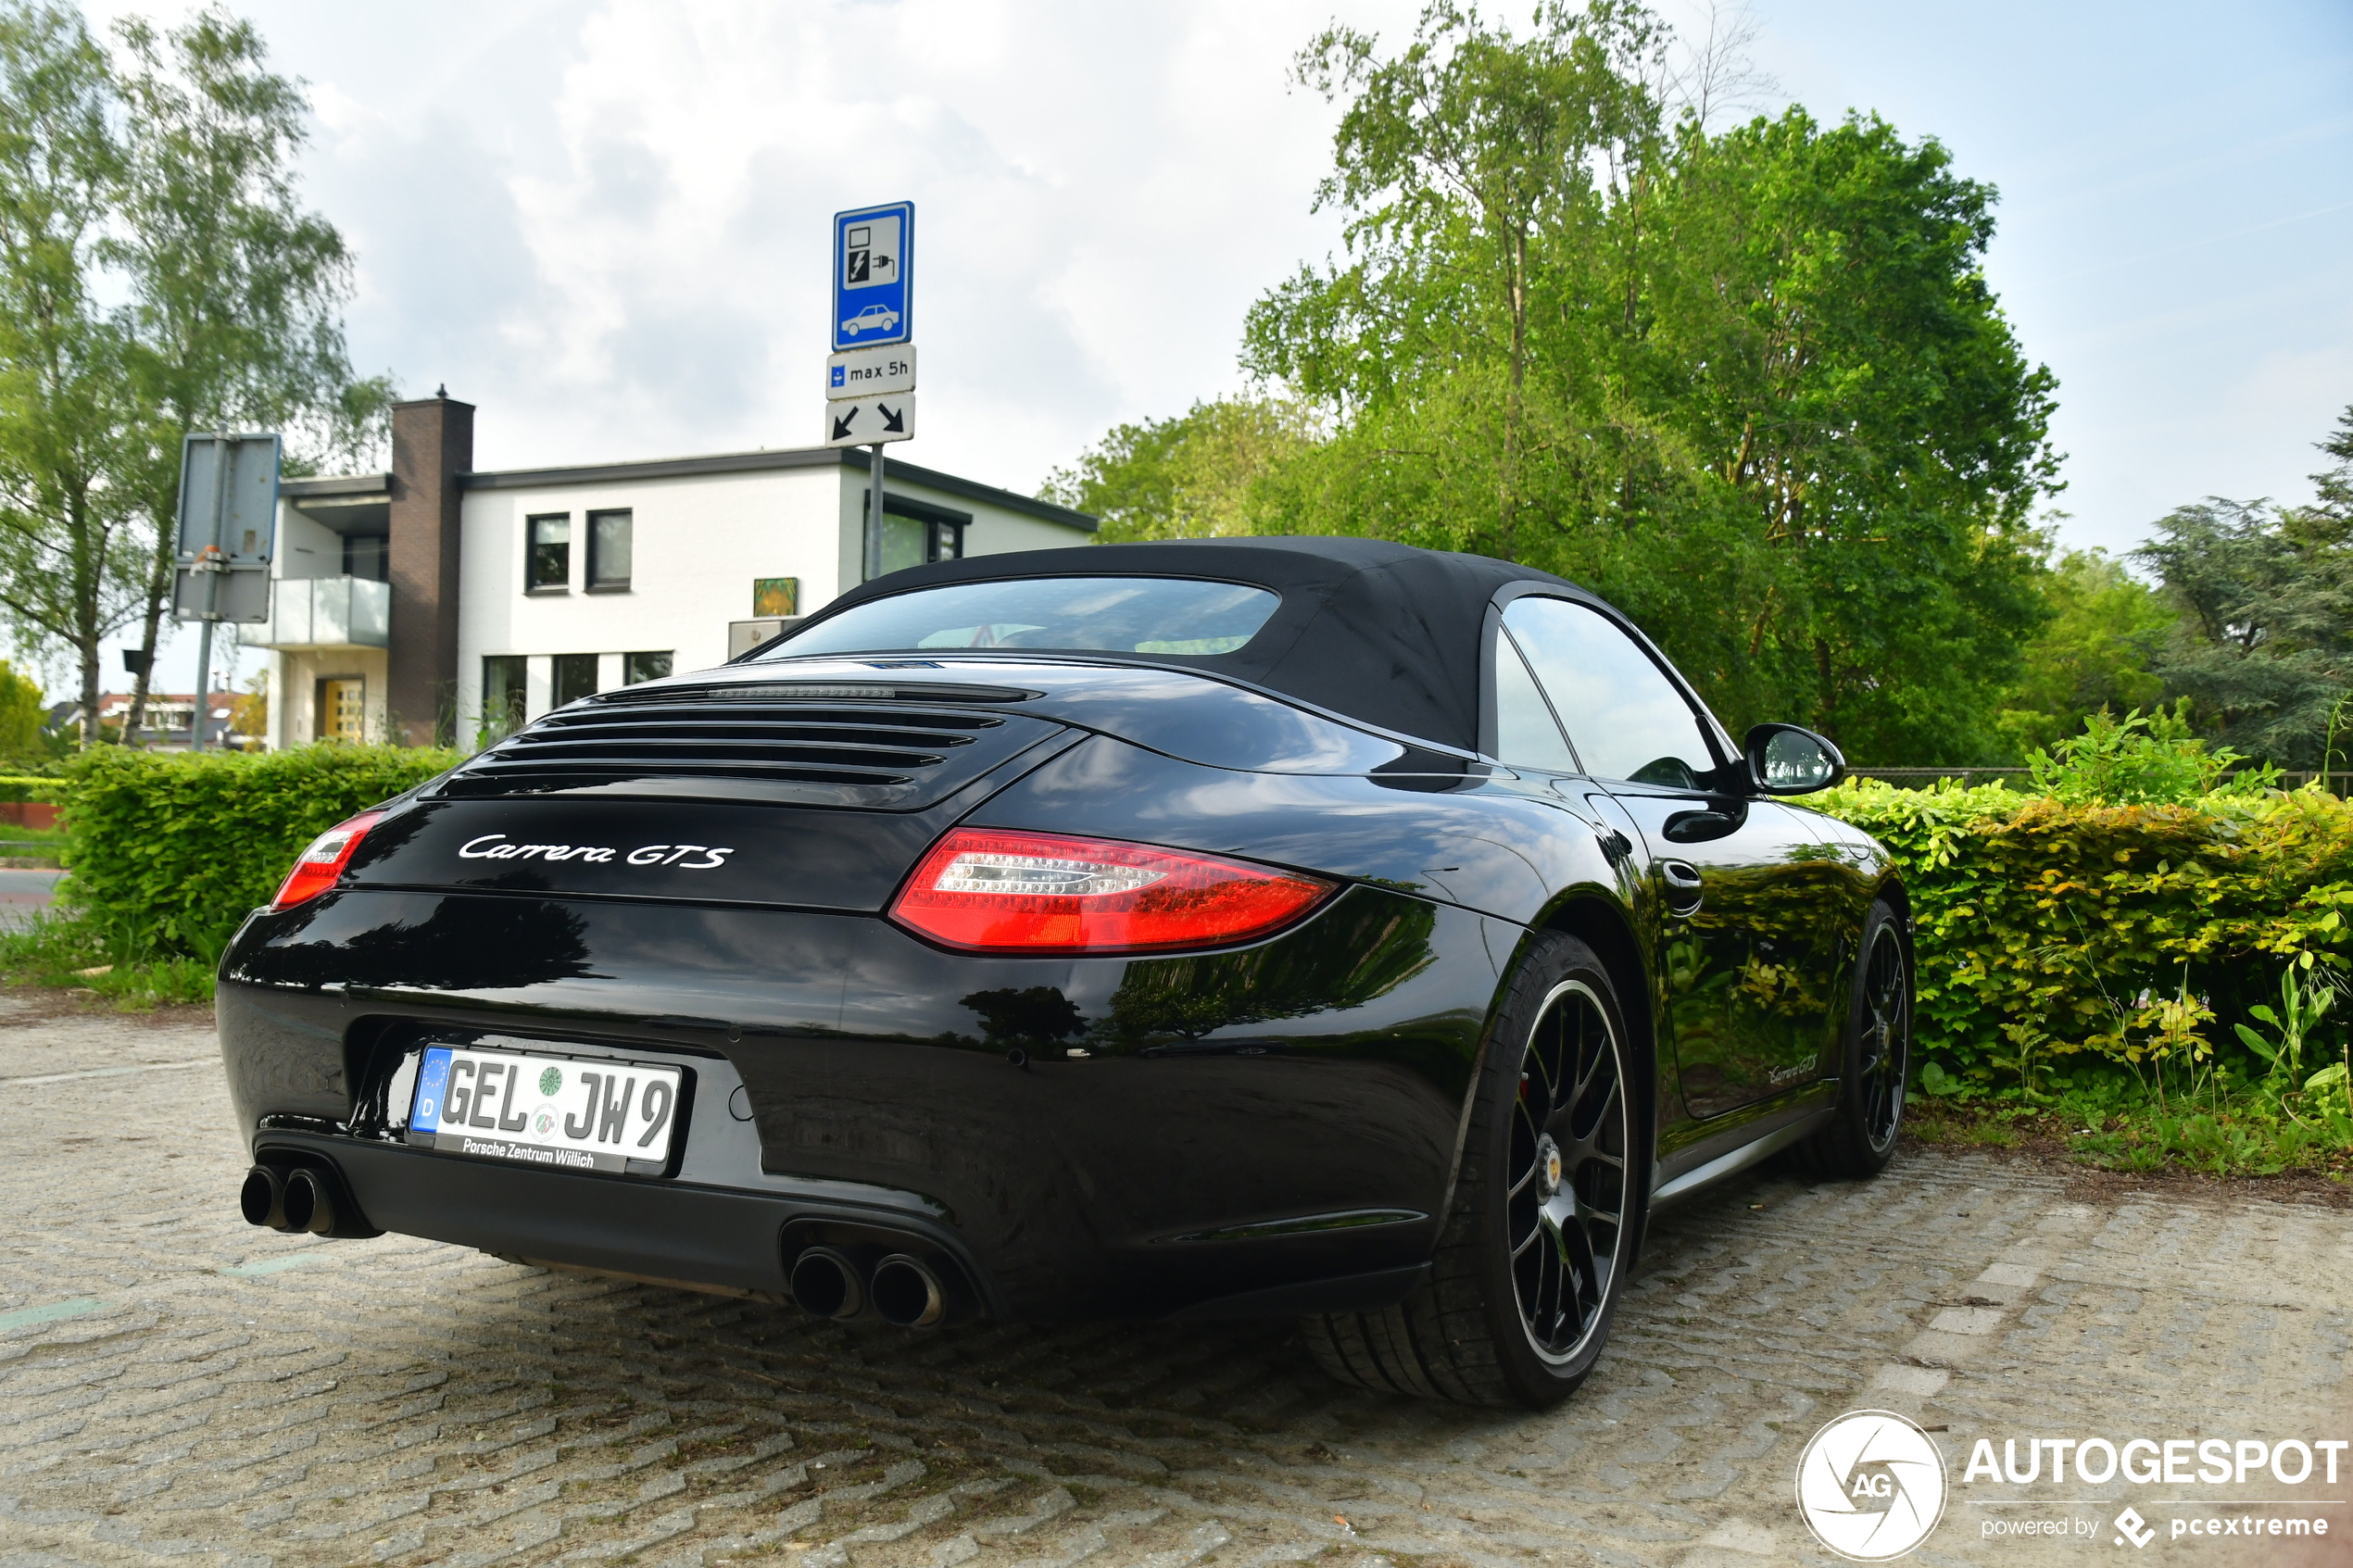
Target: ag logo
{"x": 1871, "y": 1485}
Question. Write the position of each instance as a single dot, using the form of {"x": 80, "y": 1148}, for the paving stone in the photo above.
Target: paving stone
{"x": 177, "y": 1386}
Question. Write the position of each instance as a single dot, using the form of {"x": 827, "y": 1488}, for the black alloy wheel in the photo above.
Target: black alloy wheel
{"x": 1547, "y": 1209}
{"x": 1877, "y": 1059}
{"x": 1566, "y": 1204}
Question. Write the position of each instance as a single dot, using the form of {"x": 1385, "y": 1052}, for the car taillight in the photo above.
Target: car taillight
{"x": 315, "y": 869}
{"x": 1043, "y": 893}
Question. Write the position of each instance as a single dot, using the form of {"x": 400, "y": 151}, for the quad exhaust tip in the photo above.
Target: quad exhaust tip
{"x": 828, "y": 1283}
{"x": 263, "y": 1199}
{"x": 848, "y": 1282}
{"x": 297, "y": 1199}
{"x": 907, "y": 1293}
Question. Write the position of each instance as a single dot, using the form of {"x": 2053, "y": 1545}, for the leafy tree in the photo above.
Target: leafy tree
{"x": 21, "y": 716}
{"x": 67, "y": 563}
{"x": 1751, "y": 385}
{"x": 2093, "y": 654}
{"x": 1480, "y": 171}
{"x": 236, "y": 289}
{"x": 2265, "y": 646}
{"x": 2328, "y": 519}
{"x": 1190, "y": 477}
{"x": 249, "y": 714}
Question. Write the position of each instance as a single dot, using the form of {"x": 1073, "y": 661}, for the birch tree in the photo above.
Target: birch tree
{"x": 68, "y": 559}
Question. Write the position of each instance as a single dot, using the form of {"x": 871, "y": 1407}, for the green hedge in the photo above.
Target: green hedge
{"x": 178, "y": 848}
{"x": 2049, "y": 929}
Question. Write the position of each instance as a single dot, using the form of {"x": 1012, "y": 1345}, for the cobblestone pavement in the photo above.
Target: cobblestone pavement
{"x": 176, "y": 1386}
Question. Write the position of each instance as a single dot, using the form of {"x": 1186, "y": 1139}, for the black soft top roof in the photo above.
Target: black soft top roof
{"x": 1376, "y": 631}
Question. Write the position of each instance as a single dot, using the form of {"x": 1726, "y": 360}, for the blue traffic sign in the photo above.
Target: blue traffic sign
{"x": 874, "y": 267}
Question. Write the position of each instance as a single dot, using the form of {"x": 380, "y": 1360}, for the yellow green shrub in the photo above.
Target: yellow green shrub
{"x": 2048, "y": 928}
{"x": 179, "y": 848}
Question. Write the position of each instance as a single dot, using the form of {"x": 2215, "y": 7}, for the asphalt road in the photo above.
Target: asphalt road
{"x": 176, "y": 1386}
{"x": 22, "y": 891}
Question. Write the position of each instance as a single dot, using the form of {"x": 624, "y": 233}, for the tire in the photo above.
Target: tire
{"x": 1876, "y": 1056}
{"x": 1547, "y": 1209}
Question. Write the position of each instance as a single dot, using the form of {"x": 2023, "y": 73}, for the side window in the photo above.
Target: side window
{"x": 574, "y": 677}
{"x": 503, "y": 678}
{"x": 608, "y": 552}
{"x": 547, "y": 564}
{"x": 1622, "y": 713}
{"x": 1524, "y": 732}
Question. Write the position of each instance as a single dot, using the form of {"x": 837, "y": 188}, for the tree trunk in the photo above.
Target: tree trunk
{"x": 159, "y": 575}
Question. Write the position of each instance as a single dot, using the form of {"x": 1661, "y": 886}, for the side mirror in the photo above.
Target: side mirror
{"x": 1784, "y": 760}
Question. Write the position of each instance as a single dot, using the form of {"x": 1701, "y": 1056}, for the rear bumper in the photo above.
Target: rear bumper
{"x": 1272, "y": 1129}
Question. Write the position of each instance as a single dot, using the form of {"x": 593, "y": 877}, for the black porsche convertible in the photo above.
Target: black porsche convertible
{"x": 1309, "y": 927}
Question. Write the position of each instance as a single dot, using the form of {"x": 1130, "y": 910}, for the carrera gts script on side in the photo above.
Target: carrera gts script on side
{"x": 490, "y": 847}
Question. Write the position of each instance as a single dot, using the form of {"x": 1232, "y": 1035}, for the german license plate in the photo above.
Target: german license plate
{"x": 563, "y": 1113}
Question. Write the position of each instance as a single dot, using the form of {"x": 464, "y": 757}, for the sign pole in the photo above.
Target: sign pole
{"x": 875, "y": 516}
{"x": 203, "y": 679}
{"x": 208, "y": 562}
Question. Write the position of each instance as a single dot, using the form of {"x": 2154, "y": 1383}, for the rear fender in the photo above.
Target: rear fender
{"x": 1488, "y": 844}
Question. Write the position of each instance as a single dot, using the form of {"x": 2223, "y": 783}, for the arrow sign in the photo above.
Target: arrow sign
{"x": 871, "y": 419}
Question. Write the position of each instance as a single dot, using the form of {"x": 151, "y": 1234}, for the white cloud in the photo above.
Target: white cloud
{"x": 1101, "y": 194}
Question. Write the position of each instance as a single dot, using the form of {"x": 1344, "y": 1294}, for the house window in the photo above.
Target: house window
{"x": 549, "y": 566}
{"x": 915, "y": 533}
{"x": 575, "y": 677}
{"x": 368, "y": 556}
{"x": 608, "y": 552}
{"x": 636, "y": 667}
{"x": 504, "y": 676}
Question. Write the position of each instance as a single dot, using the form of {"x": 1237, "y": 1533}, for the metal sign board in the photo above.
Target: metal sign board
{"x": 874, "y": 269}
{"x": 228, "y": 527}
{"x": 866, "y": 372}
{"x": 871, "y": 419}
{"x": 229, "y": 496}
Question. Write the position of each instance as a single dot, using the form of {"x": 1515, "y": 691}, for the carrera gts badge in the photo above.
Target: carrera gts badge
{"x": 494, "y": 846}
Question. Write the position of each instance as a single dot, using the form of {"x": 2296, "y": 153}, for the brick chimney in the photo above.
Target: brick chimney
{"x": 432, "y": 444}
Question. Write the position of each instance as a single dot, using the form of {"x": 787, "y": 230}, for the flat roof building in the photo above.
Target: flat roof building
{"x": 439, "y": 602}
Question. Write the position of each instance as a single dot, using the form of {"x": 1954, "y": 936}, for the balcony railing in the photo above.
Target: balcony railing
{"x": 323, "y": 612}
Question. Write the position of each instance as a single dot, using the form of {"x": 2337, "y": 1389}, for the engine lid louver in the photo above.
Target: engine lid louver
{"x": 881, "y": 746}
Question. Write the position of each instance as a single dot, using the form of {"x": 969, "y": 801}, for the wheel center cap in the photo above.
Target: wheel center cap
{"x": 1548, "y": 1165}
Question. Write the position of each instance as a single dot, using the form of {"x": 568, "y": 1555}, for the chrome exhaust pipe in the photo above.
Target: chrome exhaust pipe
{"x": 828, "y": 1283}
{"x": 907, "y": 1293}
{"x": 263, "y": 1199}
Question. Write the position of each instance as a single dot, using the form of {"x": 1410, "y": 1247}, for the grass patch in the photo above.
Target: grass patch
{"x": 119, "y": 962}
{"x": 2227, "y": 1125}
{"x": 33, "y": 843}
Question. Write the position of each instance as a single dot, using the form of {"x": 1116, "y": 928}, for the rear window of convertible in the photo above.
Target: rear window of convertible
{"x": 1117, "y": 614}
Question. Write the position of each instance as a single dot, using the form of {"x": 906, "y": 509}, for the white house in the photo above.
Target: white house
{"x": 439, "y": 602}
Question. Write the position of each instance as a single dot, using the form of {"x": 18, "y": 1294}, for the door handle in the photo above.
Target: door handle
{"x": 1684, "y": 887}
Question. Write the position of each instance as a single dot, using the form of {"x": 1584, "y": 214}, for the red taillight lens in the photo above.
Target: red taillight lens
{"x": 1042, "y": 892}
{"x": 316, "y": 869}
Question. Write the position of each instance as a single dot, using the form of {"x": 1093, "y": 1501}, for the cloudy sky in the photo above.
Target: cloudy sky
{"x": 604, "y": 222}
